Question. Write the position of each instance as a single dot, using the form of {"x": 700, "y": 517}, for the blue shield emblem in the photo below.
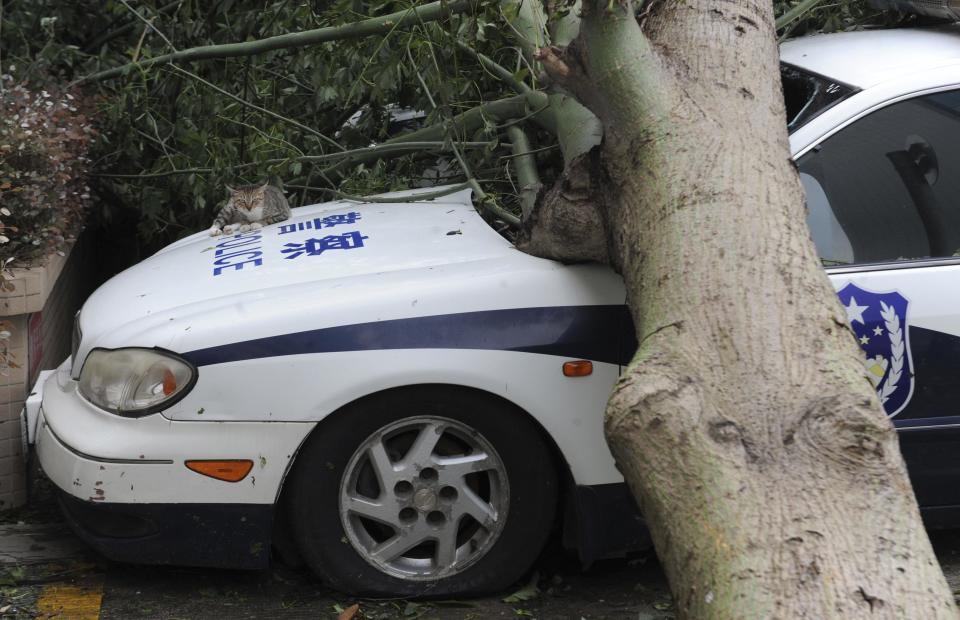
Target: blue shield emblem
{"x": 879, "y": 321}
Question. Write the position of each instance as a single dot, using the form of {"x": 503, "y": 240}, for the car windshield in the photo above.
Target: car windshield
{"x": 807, "y": 94}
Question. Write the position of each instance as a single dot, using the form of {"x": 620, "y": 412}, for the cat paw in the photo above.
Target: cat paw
{"x": 229, "y": 229}
{"x": 255, "y": 226}
{"x": 245, "y": 228}
{"x": 214, "y": 231}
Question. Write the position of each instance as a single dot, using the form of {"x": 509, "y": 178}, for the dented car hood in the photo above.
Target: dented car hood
{"x": 315, "y": 254}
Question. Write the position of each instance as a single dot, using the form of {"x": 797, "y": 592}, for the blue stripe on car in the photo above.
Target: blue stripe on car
{"x": 583, "y": 332}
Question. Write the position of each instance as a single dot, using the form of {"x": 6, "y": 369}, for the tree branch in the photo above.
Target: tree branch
{"x": 253, "y": 106}
{"x": 377, "y": 199}
{"x": 385, "y": 149}
{"x": 621, "y": 60}
{"x": 466, "y": 123}
{"x": 149, "y": 24}
{"x": 565, "y": 68}
{"x": 152, "y": 175}
{"x": 499, "y": 71}
{"x": 525, "y": 165}
{"x": 528, "y": 21}
{"x": 533, "y": 103}
{"x": 564, "y": 24}
{"x": 796, "y": 12}
{"x": 379, "y": 150}
{"x": 378, "y": 25}
{"x": 127, "y": 28}
{"x": 490, "y": 204}
{"x": 486, "y": 201}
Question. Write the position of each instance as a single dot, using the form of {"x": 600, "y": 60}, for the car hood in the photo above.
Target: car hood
{"x": 318, "y": 246}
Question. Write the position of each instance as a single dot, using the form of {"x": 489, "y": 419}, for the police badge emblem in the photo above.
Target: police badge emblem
{"x": 879, "y": 321}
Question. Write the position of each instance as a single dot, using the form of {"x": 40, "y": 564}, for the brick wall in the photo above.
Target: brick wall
{"x": 13, "y": 381}
{"x": 38, "y": 313}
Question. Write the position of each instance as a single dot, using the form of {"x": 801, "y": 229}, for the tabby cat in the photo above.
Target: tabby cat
{"x": 250, "y": 207}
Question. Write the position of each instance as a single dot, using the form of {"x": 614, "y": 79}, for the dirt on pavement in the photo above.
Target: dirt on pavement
{"x": 45, "y": 572}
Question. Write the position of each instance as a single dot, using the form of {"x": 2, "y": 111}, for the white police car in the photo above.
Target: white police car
{"x": 414, "y": 405}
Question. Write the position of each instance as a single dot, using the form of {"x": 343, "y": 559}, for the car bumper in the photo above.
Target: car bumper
{"x": 212, "y": 535}
{"x": 125, "y": 490}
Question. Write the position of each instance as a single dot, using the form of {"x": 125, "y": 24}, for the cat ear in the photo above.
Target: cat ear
{"x": 265, "y": 185}
{"x": 229, "y": 189}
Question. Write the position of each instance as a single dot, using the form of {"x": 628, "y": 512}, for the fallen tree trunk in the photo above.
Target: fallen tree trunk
{"x": 758, "y": 451}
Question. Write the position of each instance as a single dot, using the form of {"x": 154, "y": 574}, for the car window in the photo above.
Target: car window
{"x": 887, "y": 187}
{"x": 807, "y": 94}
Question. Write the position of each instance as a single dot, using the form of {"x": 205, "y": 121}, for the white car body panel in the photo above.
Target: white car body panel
{"x": 417, "y": 260}
{"x": 190, "y": 308}
{"x": 933, "y": 306}
{"x": 868, "y": 57}
{"x": 571, "y": 411}
{"x": 409, "y": 267}
{"x": 124, "y": 460}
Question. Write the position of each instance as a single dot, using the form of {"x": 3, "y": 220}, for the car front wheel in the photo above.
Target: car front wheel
{"x": 423, "y": 491}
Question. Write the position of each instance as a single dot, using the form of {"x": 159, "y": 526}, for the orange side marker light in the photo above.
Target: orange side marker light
{"x": 579, "y": 368}
{"x": 229, "y": 471}
{"x": 169, "y": 382}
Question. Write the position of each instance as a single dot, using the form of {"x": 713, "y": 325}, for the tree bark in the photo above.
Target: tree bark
{"x": 759, "y": 453}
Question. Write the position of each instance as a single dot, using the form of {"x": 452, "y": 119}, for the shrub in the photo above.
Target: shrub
{"x": 44, "y": 138}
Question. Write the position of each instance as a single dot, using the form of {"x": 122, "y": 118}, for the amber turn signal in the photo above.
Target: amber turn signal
{"x": 579, "y": 368}
{"x": 228, "y": 471}
{"x": 169, "y": 382}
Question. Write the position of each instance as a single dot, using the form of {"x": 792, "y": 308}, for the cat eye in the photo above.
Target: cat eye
{"x": 135, "y": 382}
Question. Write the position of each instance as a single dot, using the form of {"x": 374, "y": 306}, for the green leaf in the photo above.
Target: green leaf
{"x": 412, "y": 609}
{"x": 526, "y": 593}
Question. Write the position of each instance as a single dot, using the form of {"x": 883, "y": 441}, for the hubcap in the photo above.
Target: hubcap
{"x": 424, "y": 498}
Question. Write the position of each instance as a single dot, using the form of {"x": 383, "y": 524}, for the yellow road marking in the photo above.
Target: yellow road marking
{"x": 71, "y": 602}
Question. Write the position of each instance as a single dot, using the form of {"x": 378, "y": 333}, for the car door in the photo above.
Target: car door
{"x": 883, "y": 195}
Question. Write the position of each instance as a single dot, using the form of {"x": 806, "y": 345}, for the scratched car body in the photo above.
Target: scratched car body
{"x": 398, "y": 395}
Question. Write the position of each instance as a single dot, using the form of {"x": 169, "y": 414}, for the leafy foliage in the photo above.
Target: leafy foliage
{"x": 173, "y": 136}
{"x": 44, "y": 139}
{"x": 182, "y": 139}
{"x": 833, "y": 16}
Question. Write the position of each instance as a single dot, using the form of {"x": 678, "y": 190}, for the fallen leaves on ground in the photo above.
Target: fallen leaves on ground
{"x": 526, "y": 593}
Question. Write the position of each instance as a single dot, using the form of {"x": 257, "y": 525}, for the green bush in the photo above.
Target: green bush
{"x": 172, "y": 137}
{"x": 45, "y": 135}
{"x": 169, "y": 141}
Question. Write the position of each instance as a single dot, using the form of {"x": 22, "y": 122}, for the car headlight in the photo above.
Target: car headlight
{"x": 135, "y": 382}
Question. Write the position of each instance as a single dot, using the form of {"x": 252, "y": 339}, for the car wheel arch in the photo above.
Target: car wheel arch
{"x": 282, "y": 537}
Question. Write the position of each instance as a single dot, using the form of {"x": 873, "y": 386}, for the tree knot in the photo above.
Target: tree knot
{"x": 723, "y": 431}
{"x": 843, "y": 428}
{"x": 728, "y": 433}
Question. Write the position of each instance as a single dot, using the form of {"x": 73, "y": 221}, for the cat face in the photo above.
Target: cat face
{"x": 248, "y": 197}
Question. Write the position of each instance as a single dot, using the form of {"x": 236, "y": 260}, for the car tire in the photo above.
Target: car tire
{"x": 463, "y": 503}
